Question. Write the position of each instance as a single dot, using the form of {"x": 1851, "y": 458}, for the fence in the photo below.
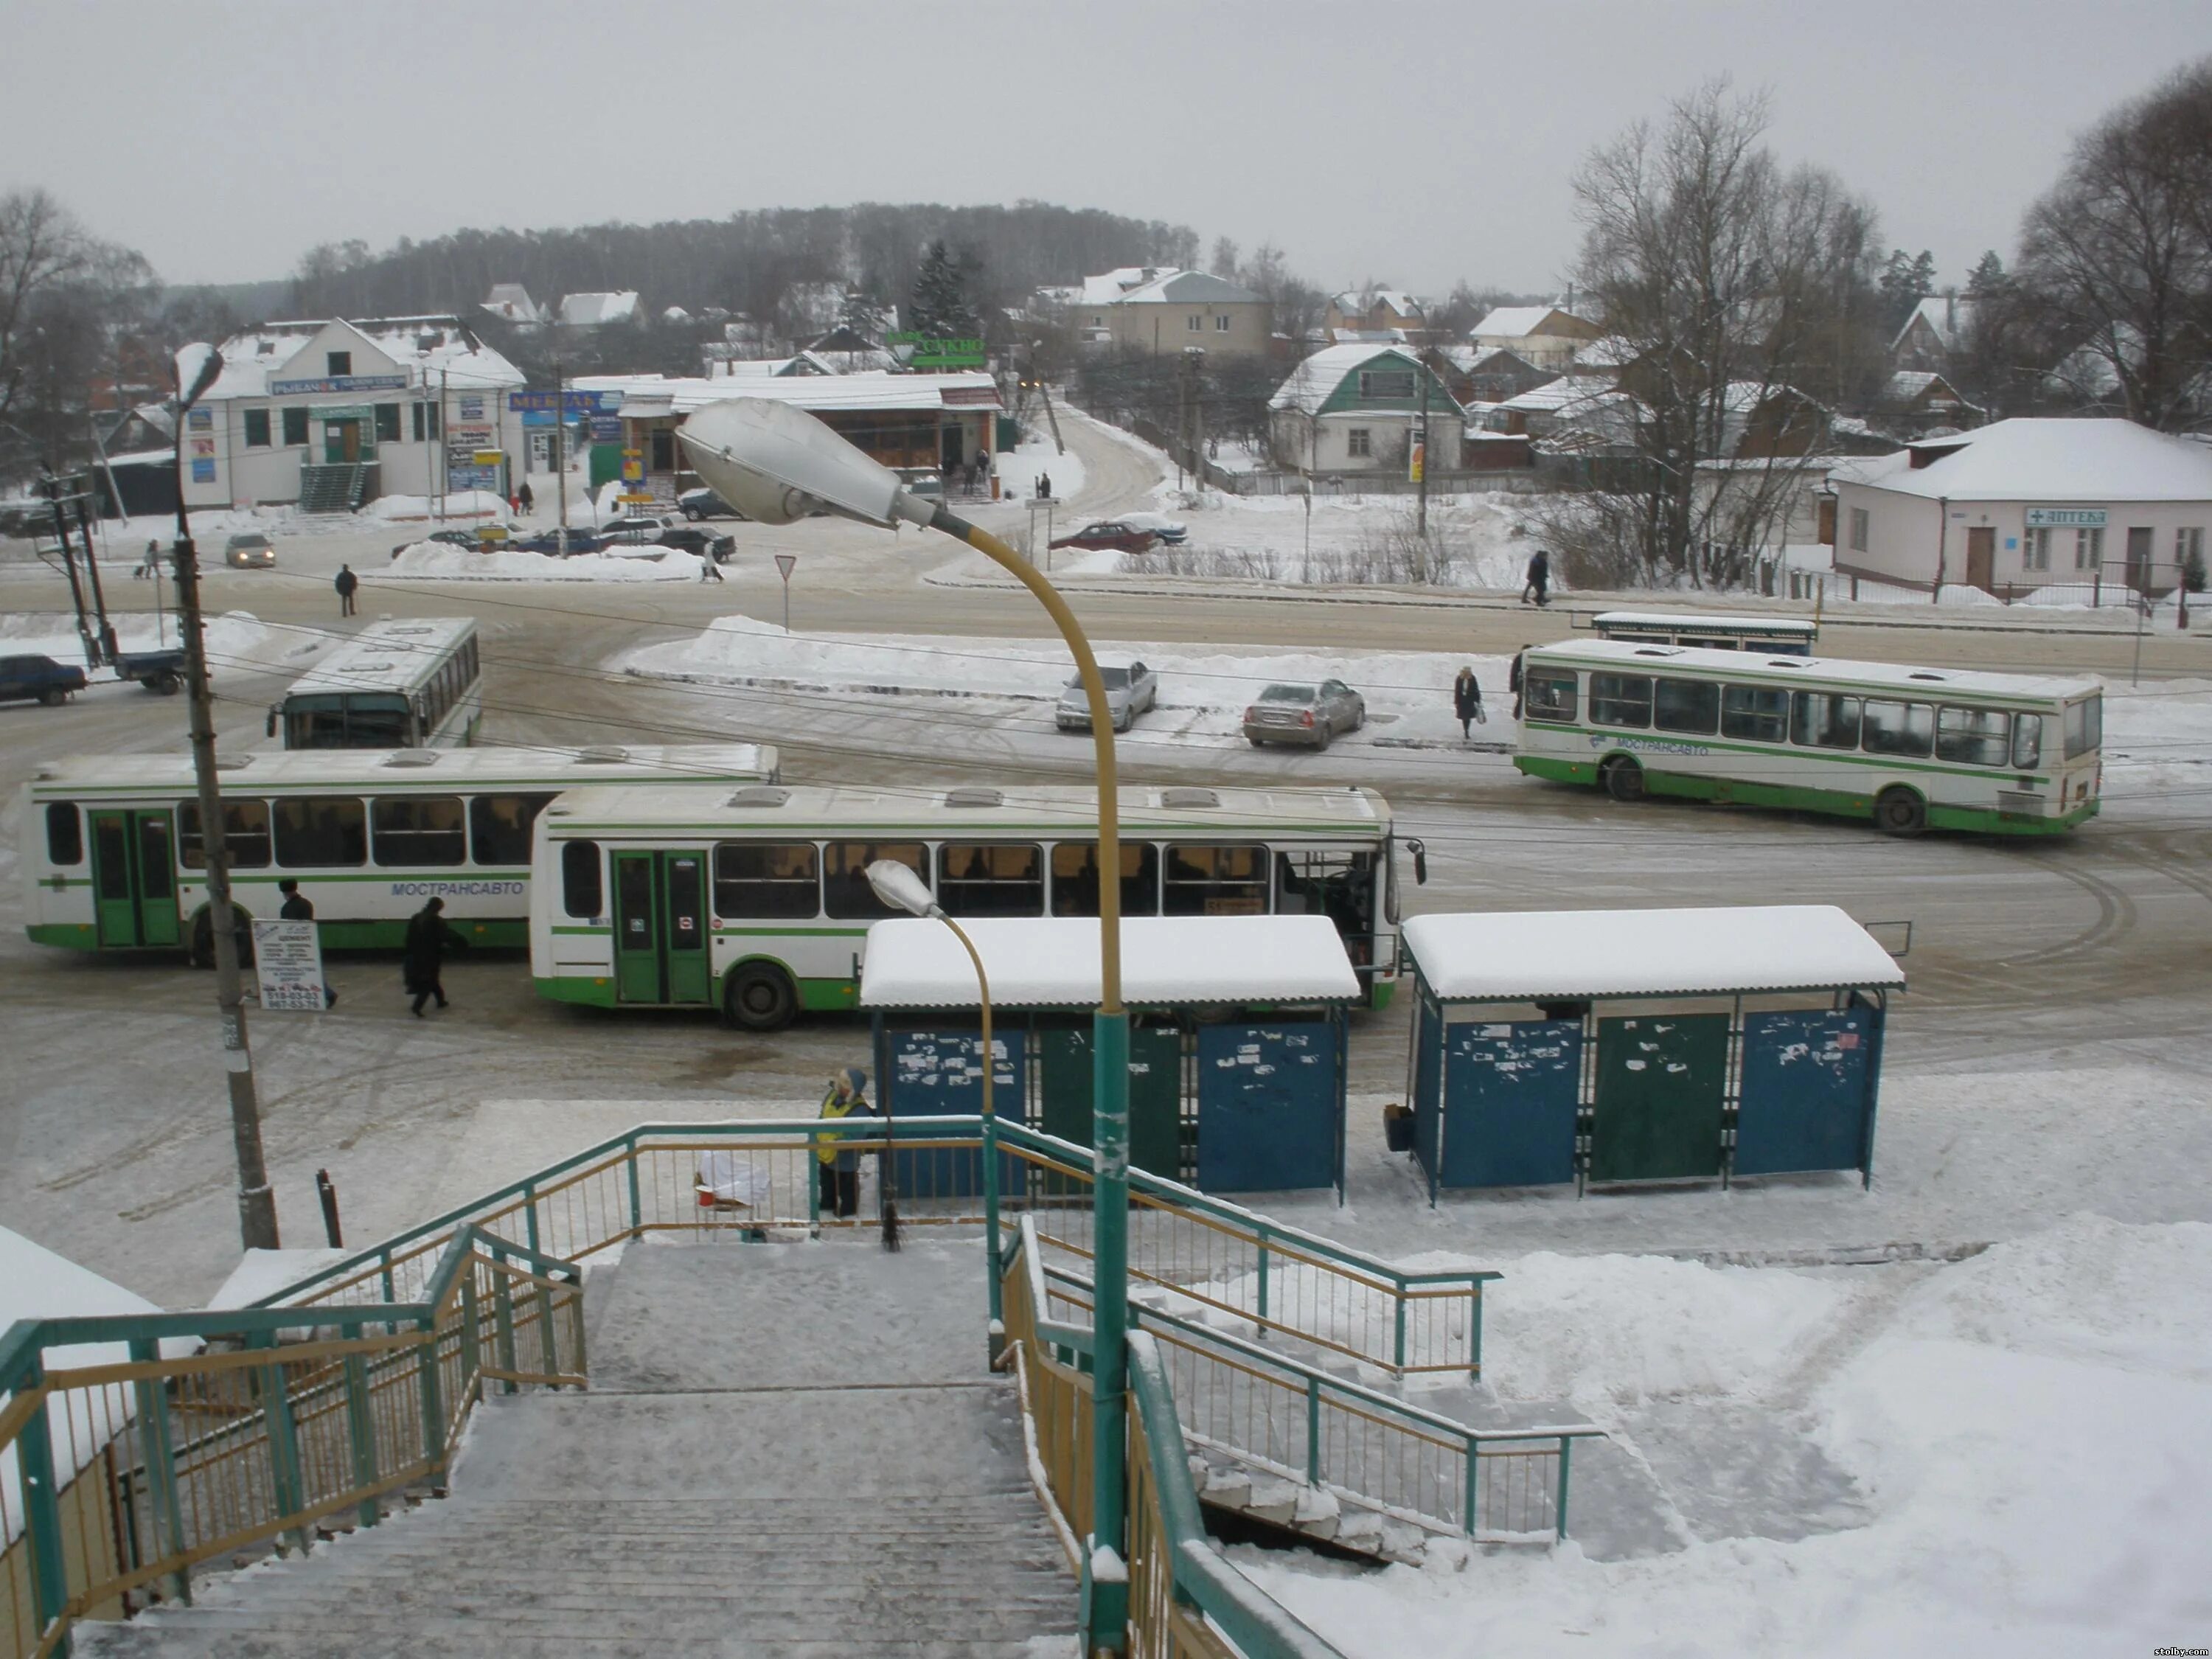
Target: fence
{"x": 118, "y": 1475}
{"x": 759, "y": 1178}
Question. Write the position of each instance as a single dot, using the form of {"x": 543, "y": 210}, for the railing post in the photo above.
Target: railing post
{"x": 471, "y": 1347}
{"x": 1110, "y": 1404}
{"x": 1263, "y": 1286}
{"x": 502, "y": 1302}
{"x": 42, "y": 1519}
{"x": 530, "y": 1214}
{"x": 998, "y": 1306}
{"x": 814, "y": 1186}
{"x": 1475, "y": 1330}
{"x": 636, "y": 1194}
{"x": 389, "y": 1329}
{"x": 360, "y": 1424}
{"x": 1566, "y": 1444}
{"x": 285, "y": 1483}
{"x": 576, "y": 1306}
{"x": 161, "y": 1465}
{"x": 1398, "y": 1337}
{"x": 1313, "y": 1428}
{"x": 434, "y": 1412}
{"x": 545, "y": 1337}
{"x": 1473, "y": 1467}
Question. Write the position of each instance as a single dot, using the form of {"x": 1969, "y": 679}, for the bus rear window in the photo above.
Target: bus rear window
{"x": 2085, "y": 726}
{"x": 582, "y": 893}
{"x": 65, "y": 833}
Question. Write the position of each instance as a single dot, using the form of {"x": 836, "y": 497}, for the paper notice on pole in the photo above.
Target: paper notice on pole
{"x": 786, "y": 563}
{"x": 287, "y": 961}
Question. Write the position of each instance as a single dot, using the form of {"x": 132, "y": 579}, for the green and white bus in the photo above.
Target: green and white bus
{"x": 756, "y": 901}
{"x": 111, "y": 857}
{"x": 1910, "y": 748}
{"x": 412, "y": 684}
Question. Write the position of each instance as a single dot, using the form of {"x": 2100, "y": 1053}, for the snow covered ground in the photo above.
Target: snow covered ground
{"x": 2022, "y": 1439}
{"x": 442, "y": 562}
{"x": 237, "y": 639}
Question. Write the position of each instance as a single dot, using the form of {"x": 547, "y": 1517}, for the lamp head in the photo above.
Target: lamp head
{"x": 197, "y": 367}
{"x": 774, "y": 463}
{"x": 898, "y": 885}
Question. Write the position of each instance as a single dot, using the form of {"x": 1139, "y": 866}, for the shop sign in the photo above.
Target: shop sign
{"x": 339, "y": 383}
{"x": 2065, "y": 518}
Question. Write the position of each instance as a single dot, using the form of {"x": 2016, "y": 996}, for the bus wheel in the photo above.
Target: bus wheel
{"x": 1899, "y": 811}
{"x": 759, "y": 997}
{"x": 1623, "y": 778}
{"x": 203, "y": 950}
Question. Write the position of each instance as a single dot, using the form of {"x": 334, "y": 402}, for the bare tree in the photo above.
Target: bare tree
{"x": 64, "y": 294}
{"x": 2116, "y": 259}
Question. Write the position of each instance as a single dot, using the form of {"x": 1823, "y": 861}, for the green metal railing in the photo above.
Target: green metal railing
{"x": 1182, "y": 1243}
{"x": 123, "y": 1462}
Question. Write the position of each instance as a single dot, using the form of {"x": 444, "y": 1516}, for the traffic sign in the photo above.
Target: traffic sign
{"x": 786, "y": 563}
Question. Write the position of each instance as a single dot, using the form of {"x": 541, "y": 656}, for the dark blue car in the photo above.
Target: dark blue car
{"x": 549, "y": 541}
{"x": 42, "y": 678}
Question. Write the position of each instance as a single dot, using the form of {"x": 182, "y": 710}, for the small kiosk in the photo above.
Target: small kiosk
{"x": 1236, "y": 1042}
{"x": 1644, "y": 1045}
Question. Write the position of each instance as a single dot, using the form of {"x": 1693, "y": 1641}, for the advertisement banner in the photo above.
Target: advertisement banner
{"x": 288, "y": 964}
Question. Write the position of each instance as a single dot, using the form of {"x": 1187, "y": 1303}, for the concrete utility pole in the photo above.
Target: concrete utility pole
{"x": 1421, "y": 450}
{"x": 560, "y": 466}
{"x": 92, "y": 567}
{"x": 1195, "y": 356}
{"x": 257, "y": 1204}
{"x": 53, "y": 488}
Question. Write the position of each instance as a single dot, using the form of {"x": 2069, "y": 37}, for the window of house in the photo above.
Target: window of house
{"x": 990, "y": 878}
{"x": 778, "y": 880}
{"x": 1215, "y": 881}
{"x": 1754, "y": 714}
{"x": 414, "y": 832}
{"x": 256, "y": 428}
{"x": 1221, "y": 325}
{"x": 2088, "y": 549}
{"x": 340, "y": 364}
{"x": 245, "y": 835}
{"x": 1386, "y": 383}
{"x": 500, "y": 826}
{"x": 1194, "y": 323}
{"x": 1620, "y": 700}
{"x": 387, "y": 423}
{"x": 1692, "y": 706}
{"x": 2035, "y": 551}
{"x": 1860, "y": 524}
{"x": 65, "y": 833}
{"x": 418, "y": 423}
{"x": 1898, "y": 728}
{"x": 1974, "y": 737}
{"x": 1822, "y": 719}
{"x": 845, "y": 890}
{"x": 321, "y": 832}
{"x": 1075, "y": 879}
{"x": 581, "y": 886}
{"x": 1550, "y": 696}
{"x": 1359, "y": 441}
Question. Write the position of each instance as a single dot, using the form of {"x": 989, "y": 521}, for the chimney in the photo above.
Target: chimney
{"x": 1950, "y": 311}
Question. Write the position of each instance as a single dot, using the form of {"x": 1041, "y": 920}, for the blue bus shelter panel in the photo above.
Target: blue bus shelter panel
{"x": 1662, "y": 1084}
{"x": 1428, "y": 1087}
{"x": 1808, "y": 1083}
{"x": 933, "y": 1073}
{"x": 1511, "y": 1094}
{"x": 1068, "y": 1093}
{"x": 1269, "y": 1106}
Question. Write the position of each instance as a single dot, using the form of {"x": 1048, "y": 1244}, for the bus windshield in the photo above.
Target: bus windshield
{"x": 347, "y": 720}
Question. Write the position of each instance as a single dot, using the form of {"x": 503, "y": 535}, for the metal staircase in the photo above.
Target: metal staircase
{"x": 339, "y": 488}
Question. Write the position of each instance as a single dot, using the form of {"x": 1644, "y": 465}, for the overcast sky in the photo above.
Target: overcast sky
{"x": 1411, "y": 142}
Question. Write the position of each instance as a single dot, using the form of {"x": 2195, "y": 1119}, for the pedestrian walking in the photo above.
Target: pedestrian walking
{"x": 423, "y": 962}
{"x": 1540, "y": 578}
{"x": 522, "y": 494}
{"x": 298, "y": 907}
{"x": 1467, "y": 701}
{"x": 839, "y": 1171}
{"x": 708, "y": 570}
{"x": 150, "y": 566}
{"x": 347, "y": 584}
{"x": 1513, "y": 680}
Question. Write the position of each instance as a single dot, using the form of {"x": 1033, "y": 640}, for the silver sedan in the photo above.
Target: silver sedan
{"x": 1129, "y": 692}
{"x": 1304, "y": 713}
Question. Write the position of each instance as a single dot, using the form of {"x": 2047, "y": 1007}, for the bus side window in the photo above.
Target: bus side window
{"x": 582, "y": 892}
{"x": 2085, "y": 726}
{"x": 1551, "y": 696}
{"x": 1899, "y": 728}
{"x": 1692, "y": 706}
{"x": 1755, "y": 714}
{"x": 500, "y": 826}
{"x": 320, "y": 831}
{"x": 1821, "y": 720}
{"x": 2028, "y": 741}
{"x": 1620, "y": 700}
{"x": 1979, "y": 736}
{"x": 65, "y": 833}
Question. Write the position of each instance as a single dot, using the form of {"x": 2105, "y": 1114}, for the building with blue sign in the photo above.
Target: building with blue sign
{"x": 328, "y": 414}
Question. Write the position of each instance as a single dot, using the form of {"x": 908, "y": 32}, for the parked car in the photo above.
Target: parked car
{"x": 1304, "y": 713}
{"x": 697, "y": 504}
{"x": 645, "y": 529}
{"x": 549, "y": 541}
{"x": 1172, "y": 533}
{"x": 249, "y": 550}
{"x": 160, "y": 671}
{"x": 50, "y": 682}
{"x": 1129, "y": 692}
{"x": 1118, "y": 533}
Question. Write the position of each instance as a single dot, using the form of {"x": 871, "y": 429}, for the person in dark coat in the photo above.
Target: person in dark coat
{"x": 1540, "y": 578}
{"x": 1513, "y": 677}
{"x": 840, "y": 1170}
{"x": 522, "y": 493}
{"x": 298, "y": 907}
{"x": 423, "y": 963}
{"x": 1467, "y": 701}
{"x": 346, "y": 584}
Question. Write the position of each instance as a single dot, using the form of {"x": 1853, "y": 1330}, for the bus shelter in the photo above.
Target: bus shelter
{"x": 1236, "y": 1042}
{"x": 1644, "y": 1045}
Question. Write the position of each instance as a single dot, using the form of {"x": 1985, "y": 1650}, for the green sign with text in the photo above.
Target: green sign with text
{"x": 923, "y": 353}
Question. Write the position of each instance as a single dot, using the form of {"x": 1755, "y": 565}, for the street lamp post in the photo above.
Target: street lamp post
{"x": 776, "y": 464}
{"x": 898, "y": 885}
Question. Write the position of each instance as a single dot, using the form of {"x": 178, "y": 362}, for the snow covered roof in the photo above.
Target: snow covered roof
{"x": 1187, "y": 288}
{"x": 1540, "y": 955}
{"x": 1107, "y": 286}
{"x": 1313, "y": 382}
{"x": 1517, "y": 322}
{"x": 595, "y": 310}
{"x": 1753, "y": 667}
{"x": 1354, "y": 304}
{"x": 873, "y": 389}
{"x": 1052, "y": 961}
{"x": 628, "y": 764}
{"x": 1561, "y": 392}
{"x": 512, "y": 301}
{"x": 424, "y": 348}
{"x": 2045, "y": 460}
{"x": 1949, "y": 315}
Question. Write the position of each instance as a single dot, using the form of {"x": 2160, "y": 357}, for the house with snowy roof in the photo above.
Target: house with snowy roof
{"x": 1385, "y": 315}
{"x": 1349, "y": 409}
{"x": 2024, "y": 503}
{"x": 599, "y": 310}
{"x": 1932, "y": 336}
{"x": 330, "y": 413}
{"x": 511, "y": 303}
{"x": 1182, "y": 308}
{"x": 1546, "y": 335}
{"x": 1914, "y": 403}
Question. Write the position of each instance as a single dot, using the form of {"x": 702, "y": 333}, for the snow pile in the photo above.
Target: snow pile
{"x": 1018, "y": 470}
{"x": 462, "y": 504}
{"x": 2028, "y": 1429}
{"x": 236, "y": 639}
{"x": 442, "y": 562}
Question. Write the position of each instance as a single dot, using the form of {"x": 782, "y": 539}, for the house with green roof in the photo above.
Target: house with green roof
{"x": 1350, "y": 409}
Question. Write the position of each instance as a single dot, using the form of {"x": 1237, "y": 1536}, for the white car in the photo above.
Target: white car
{"x": 1129, "y": 692}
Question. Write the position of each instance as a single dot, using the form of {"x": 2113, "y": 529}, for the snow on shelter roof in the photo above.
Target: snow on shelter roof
{"x": 1528, "y": 955}
{"x": 1052, "y": 961}
{"x": 1776, "y": 626}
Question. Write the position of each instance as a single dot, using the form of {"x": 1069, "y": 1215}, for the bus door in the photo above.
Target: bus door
{"x": 1339, "y": 883}
{"x": 134, "y": 878}
{"x": 660, "y": 928}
